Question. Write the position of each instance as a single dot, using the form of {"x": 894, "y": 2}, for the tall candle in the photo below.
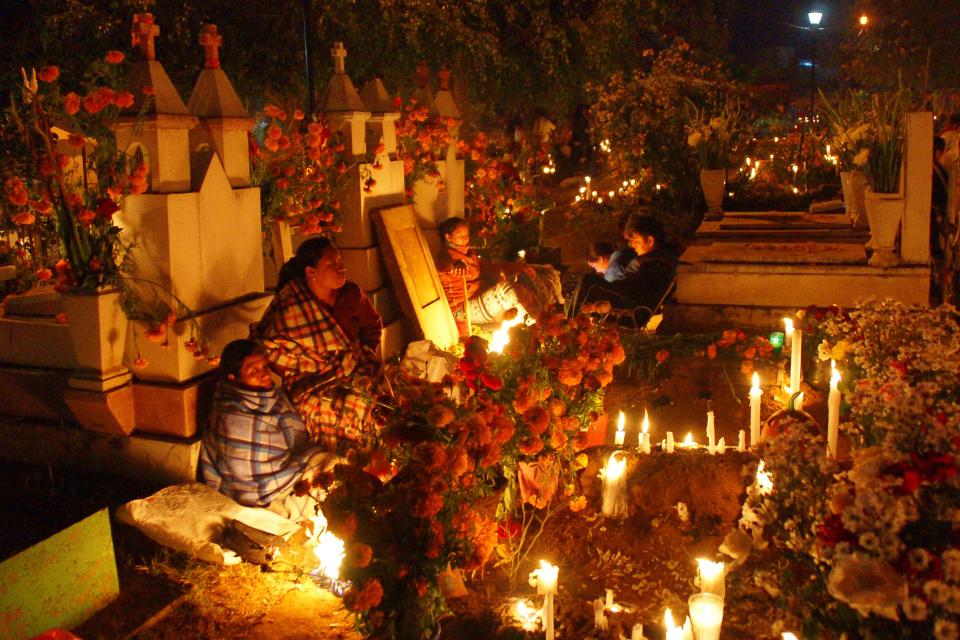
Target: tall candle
{"x": 833, "y": 412}
{"x": 798, "y": 403}
{"x": 795, "y": 356}
{"x": 669, "y": 441}
{"x": 787, "y": 331}
{"x": 599, "y": 618}
{"x": 637, "y": 632}
{"x": 711, "y": 433}
{"x": 706, "y": 613}
{"x": 620, "y": 432}
{"x": 742, "y": 440}
{"x": 545, "y": 580}
{"x": 614, "y": 489}
{"x": 711, "y": 577}
{"x": 645, "y": 433}
{"x": 755, "y": 395}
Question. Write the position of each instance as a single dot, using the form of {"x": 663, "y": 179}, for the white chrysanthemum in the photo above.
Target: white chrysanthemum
{"x": 915, "y": 609}
{"x": 862, "y": 157}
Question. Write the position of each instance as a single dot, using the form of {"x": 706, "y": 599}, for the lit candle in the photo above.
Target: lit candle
{"x": 721, "y": 445}
{"x": 526, "y": 615}
{"x": 795, "y": 356}
{"x": 614, "y": 481}
{"x": 673, "y": 631}
{"x": 711, "y": 433}
{"x": 789, "y": 636}
{"x": 669, "y": 441}
{"x": 609, "y": 602}
{"x": 637, "y": 632}
{"x": 755, "y": 395}
{"x": 545, "y": 580}
{"x": 787, "y": 331}
{"x": 620, "y": 432}
{"x": 645, "y": 433}
{"x": 711, "y": 577}
{"x": 833, "y": 411}
{"x": 798, "y": 403}
{"x": 742, "y": 441}
{"x": 688, "y": 442}
{"x": 706, "y": 612}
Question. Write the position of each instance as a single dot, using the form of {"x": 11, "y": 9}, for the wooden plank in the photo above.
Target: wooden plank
{"x": 59, "y": 582}
{"x": 414, "y": 275}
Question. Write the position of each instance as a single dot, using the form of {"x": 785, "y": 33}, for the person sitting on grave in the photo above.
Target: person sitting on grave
{"x": 488, "y": 289}
{"x": 256, "y": 448}
{"x": 321, "y": 334}
{"x": 647, "y": 276}
{"x": 607, "y": 265}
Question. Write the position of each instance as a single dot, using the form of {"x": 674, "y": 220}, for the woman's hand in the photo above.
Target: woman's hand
{"x": 459, "y": 268}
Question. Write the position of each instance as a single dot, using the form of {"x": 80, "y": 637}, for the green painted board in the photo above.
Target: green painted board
{"x": 59, "y": 582}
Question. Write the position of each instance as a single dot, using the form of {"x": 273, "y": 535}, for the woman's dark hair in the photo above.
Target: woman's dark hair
{"x": 644, "y": 225}
{"x": 233, "y": 356}
{"x": 307, "y": 255}
{"x": 599, "y": 249}
{"x": 450, "y": 225}
{"x": 939, "y": 144}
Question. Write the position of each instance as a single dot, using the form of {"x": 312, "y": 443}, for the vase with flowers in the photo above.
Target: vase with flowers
{"x": 711, "y": 135}
{"x": 64, "y": 180}
{"x": 846, "y": 134}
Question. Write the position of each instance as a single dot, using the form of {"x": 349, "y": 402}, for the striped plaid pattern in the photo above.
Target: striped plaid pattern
{"x": 323, "y": 373}
{"x": 255, "y": 447}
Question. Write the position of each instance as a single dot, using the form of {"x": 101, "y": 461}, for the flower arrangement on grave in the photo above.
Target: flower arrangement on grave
{"x": 65, "y": 179}
{"x": 847, "y": 132}
{"x": 869, "y": 130}
{"x": 419, "y": 517}
{"x": 421, "y": 137}
{"x": 501, "y": 196}
{"x": 712, "y": 133}
{"x": 300, "y": 167}
{"x": 554, "y": 374}
{"x": 875, "y": 541}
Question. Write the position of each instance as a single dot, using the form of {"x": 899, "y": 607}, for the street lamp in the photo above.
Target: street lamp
{"x": 814, "y": 17}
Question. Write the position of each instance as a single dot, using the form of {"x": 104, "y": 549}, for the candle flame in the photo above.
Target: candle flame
{"x": 789, "y": 636}
{"x": 756, "y": 381}
{"x": 668, "y": 620}
{"x": 788, "y": 325}
{"x": 620, "y": 420}
{"x": 645, "y": 425}
{"x": 328, "y": 548}
{"x": 764, "y": 481}
{"x": 614, "y": 468}
{"x": 526, "y": 615}
{"x": 834, "y": 374}
{"x": 709, "y": 568}
{"x": 688, "y": 441}
{"x": 501, "y": 337}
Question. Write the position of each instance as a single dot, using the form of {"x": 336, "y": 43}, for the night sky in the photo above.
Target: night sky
{"x": 758, "y": 24}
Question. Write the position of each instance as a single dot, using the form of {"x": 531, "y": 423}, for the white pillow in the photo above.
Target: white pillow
{"x": 192, "y": 518}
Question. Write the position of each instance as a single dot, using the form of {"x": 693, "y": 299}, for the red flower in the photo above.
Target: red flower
{"x": 911, "y": 481}
{"x": 71, "y": 103}
{"x": 365, "y": 598}
{"x": 48, "y": 73}
{"x": 712, "y": 351}
{"x": 157, "y": 334}
{"x": 24, "y": 218}
{"x": 123, "y": 100}
{"x": 140, "y": 362}
{"x": 86, "y": 216}
{"x": 94, "y": 264}
{"x": 662, "y": 356}
{"x": 832, "y": 531}
{"x": 107, "y": 207}
{"x": 43, "y": 274}
{"x": 148, "y": 91}
{"x": 61, "y": 318}
{"x": 114, "y": 57}
{"x": 492, "y": 382}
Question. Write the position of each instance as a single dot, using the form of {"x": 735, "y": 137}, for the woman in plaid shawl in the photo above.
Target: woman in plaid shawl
{"x": 322, "y": 335}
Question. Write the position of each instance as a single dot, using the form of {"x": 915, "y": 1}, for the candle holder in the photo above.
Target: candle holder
{"x": 777, "y": 340}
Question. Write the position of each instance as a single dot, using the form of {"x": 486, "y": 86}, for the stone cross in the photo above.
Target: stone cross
{"x": 211, "y": 42}
{"x": 143, "y": 32}
{"x": 444, "y": 77}
{"x": 339, "y": 55}
{"x": 422, "y": 72}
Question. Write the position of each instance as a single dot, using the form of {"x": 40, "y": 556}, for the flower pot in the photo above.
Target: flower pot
{"x": 884, "y": 212}
{"x": 713, "y": 182}
{"x": 855, "y": 206}
{"x": 98, "y": 331}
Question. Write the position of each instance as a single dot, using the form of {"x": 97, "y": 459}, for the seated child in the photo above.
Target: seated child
{"x": 255, "y": 447}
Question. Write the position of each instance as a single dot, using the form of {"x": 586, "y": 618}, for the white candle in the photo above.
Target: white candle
{"x": 545, "y": 580}
{"x": 787, "y": 635}
{"x": 787, "y": 332}
{"x": 609, "y": 602}
{"x": 637, "y": 632}
{"x": 526, "y": 615}
{"x": 721, "y": 445}
{"x": 795, "y": 355}
{"x": 614, "y": 485}
{"x": 687, "y": 629}
{"x": 669, "y": 441}
{"x": 711, "y": 577}
{"x": 742, "y": 440}
{"x": 706, "y": 612}
{"x": 599, "y": 619}
{"x": 645, "y": 433}
{"x": 673, "y": 631}
{"x": 711, "y": 433}
{"x": 755, "y": 395}
{"x": 620, "y": 432}
{"x": 798, "y": 403}
{"x": 833, "y": 412}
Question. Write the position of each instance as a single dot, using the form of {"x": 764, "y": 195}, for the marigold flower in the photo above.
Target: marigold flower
{"x": 578, "y": 504}
{"x": 432, "y": 456}
{"x": 43, "y": 274}
{"x": 297, "y": 114}
{"x": 114, "y": 57}
{"x": 531, "y": 446}
{"x": 365, "y": 598}
{"x": 24, "y": 218}
{"x": 536, "y": 419}
{"x": 358, "y": 555}
{"x": 86, "y": 216}
{"x": 156, "y": 334}
{"x": 429, "y": 505}
{"x": 274, "y": 132}
{"x": 581, "y": 461}
{"x": 71, "y": 103}
{"x": 140, "y": 362}
{"x": 48, "y": 73}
